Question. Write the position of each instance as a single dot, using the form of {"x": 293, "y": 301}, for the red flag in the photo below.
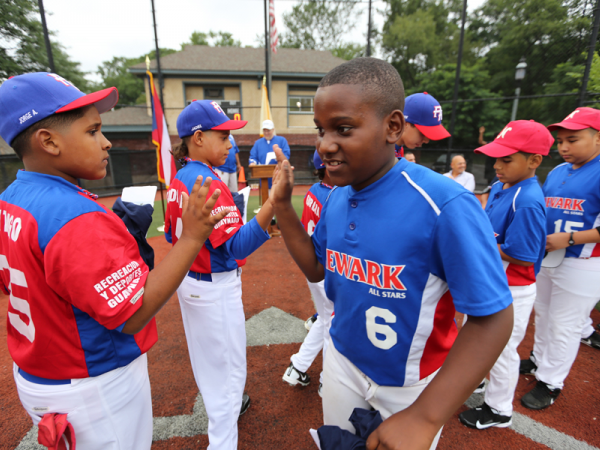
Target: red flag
{"x": 160, "y": 137}
{"x": 274, "y": 39}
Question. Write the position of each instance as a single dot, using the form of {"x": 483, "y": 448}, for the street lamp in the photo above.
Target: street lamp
{"x": 519, "y": 75}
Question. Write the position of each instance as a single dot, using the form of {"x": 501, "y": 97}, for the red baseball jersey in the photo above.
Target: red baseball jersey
{"x": 313, "y": 204}
{"x": 74, "y": 275}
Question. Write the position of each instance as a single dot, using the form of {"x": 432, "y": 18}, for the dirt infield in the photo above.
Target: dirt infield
{"x": 280, "y": 416}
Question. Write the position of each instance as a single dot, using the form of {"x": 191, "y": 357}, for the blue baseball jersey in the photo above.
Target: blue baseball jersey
{"x": 230, "y": 165}
{"x": 573, "y": 203}
{"x": 399, "y": 256}
{"x": 231, "y": 241}
{"x": 518, "y": 217}
{"x": 75, "y": 276}
{"x": 262, "y": 151}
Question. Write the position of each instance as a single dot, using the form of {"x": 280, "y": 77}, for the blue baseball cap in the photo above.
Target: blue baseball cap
{"x": 205, "y": 115}
{"x": 317, "y": 161}
{"x": 31, "y": 97}
{"x": 425, "y": 113}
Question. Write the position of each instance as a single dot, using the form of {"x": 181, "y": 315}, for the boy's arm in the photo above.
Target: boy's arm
{"x": 297, "y": 240}
{"x": 512, "y": 260}
{"x": 557, "y": 241}
{"x": 162, "y": 282}
{"x": 473, "y": 354}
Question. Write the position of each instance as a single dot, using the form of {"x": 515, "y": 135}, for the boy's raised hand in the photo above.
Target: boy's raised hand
{"x": 283, "y": 179}
{"x": 197, "y": 217}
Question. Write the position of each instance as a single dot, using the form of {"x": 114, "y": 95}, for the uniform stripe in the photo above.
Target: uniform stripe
{"x": 515, "y": 200}
{"x": 592, "y": 249}
{"x": 423, "y": 193}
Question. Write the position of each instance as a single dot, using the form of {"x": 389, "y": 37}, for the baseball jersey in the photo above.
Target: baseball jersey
{"x": 399, "y": 256}
{"x": 399, "y": 151}
{"x": 573, "y": 203}
{"x": 313, "y": 204}
{"x": 262, "y": 151}
{"x": 74, "y": 275}
{"x": 240, "y": 241}
{"x": 230, "y": 165}
{"x": 518, "y": 217}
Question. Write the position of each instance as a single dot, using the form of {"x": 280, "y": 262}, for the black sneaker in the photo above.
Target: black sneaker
{"x": 593, "y": 340}
{"x": 527, "y": 367}
{"x": 310, "y": 321}
{"x": 293, "y": 376}
{"x": 540, "y": 397}
{"x": 245, "y": 403}
{"x": 484, "y": 417}
{"x": 480, "y": 389}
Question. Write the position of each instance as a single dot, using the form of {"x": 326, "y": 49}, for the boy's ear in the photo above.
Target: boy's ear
{"x": 47, "y": 140}
{"x": 534, "y": 161}
{"x": 198, "y": 138}
{"x": 395, "y": 125}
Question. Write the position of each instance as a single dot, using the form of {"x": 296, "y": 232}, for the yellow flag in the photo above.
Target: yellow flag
{"x": 265, "y": 109}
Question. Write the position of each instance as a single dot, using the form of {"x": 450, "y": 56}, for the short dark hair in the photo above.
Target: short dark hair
{"x": 379, "y": 79}
{"x": 408, "y": 153}
{"x": 320, "y": 173}
{"x": 20, "y": 143}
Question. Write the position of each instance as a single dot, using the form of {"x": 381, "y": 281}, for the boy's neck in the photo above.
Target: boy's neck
{"x": 509, "y": 185}
{"x": 593, "y": 157}
{"x": 39, "y": 165}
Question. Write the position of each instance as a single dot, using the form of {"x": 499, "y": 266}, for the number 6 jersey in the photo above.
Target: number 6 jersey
{"x": 393, "y": 253}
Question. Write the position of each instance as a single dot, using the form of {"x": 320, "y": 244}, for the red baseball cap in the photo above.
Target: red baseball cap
{"x": 580, "y": 119}
{"x": 525, "y": 136}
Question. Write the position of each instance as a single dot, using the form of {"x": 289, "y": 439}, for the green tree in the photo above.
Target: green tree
{"x": 213, "y": 39}
{"x": 23, "y": 48}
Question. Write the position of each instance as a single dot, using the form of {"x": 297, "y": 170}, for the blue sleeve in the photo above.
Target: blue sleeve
{"x": 233, "y": 143}
{"x": 168, "y": 236}
{"x": 247, "y": 239}
{"x": 254, "y": 154}
{"x": 285, "y": 148}
{"x": 465, "y": 255}
{"x": 526, "y": 235}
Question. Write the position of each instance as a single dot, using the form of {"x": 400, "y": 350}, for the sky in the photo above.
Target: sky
{"x": 96, "y": 31}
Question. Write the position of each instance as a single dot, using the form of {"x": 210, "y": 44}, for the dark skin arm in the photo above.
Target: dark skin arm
{"x": 477, "y": 347}
{"x": 297, "y": 240}
{"x": 162, "y": 282}
{"x": 512, "y": 260}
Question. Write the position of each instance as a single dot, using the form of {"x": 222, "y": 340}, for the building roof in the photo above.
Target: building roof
{"x": 5, "y": 149}
{"x": 197, "y": 59}
{"x": 131, "y": 118}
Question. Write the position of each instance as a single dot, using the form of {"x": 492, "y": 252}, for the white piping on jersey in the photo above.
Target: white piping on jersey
{"x": 556, "y": 167}
{"x": 434, "y": 289}
{"x": 423, "y": 193}
{"x": 330, "y": 192}
{"x": 587, "y": 250}
{"x": 515, "y": 199}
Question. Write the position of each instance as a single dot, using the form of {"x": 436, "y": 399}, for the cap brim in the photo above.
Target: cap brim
{"x": 231, "y": 125}
{"x": 104, "y": 100}
{"x": 435, "y": 133}
{"x": 568, "y": 126}
{"x": 495, "y": 150}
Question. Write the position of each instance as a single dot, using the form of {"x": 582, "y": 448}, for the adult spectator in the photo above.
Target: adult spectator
{"x": 228, "y": 171}
{"x": 262, "y": 151}
{"x": 409, "y": 156}
{"x": 459, "y": 173}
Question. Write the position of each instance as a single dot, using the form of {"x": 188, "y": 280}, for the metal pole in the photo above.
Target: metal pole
{"x": 513, "y": 116}
{"x": 457, "y": 80}
{"x": 369, "y": 32}
{"x": 160, "y": 77}
{"x": 267, "y": 52}
{"x": 46, "y": 37}
{"x": 591, "y": 50}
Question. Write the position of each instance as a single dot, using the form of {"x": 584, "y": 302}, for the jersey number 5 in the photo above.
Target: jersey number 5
{"x": 374, "y": 328}
{"x": 17, "y": 278}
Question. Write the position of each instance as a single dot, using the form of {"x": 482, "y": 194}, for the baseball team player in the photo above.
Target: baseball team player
{"x": 399, "y": 247}
{"x": 567, "y": 292}
{"x": 228, "y": 171}
{"x": 516, "y": 209}
{"x": 423, "y": 116}
{"x": 82, "y": 301}
{"x": 211, "y": 294}
{"x": 318, "y": 335}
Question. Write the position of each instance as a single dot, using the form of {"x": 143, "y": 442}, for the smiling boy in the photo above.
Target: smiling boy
{"x": 394, "y": 240}
{"x": 518, "y": 216}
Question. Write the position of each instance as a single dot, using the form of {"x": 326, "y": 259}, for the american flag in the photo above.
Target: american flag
{"x": 274, "y": 39}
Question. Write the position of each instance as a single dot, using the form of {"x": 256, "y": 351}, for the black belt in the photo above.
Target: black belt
{"x": 200, "y": 276}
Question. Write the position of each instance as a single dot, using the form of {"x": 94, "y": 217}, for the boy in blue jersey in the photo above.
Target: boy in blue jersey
{"x": 399, "y": 247}
{"x": 568, "y": 289}
{"x": 517, "y": 211}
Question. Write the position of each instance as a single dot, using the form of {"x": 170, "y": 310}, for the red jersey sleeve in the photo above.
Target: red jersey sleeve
{"x": 311, "y": 212}
{"x": 94, "y": 263}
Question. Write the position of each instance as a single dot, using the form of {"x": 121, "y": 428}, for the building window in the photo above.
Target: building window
{"x": 213, "y": 93}
{"x": 300, "y": 104}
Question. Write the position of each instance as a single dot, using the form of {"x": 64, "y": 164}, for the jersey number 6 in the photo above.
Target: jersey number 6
{"x": 374, "y": 328}
{"x": 17, "y": 278}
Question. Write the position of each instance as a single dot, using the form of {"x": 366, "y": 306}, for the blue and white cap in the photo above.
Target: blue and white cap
{"x": 28, "y": 98}
{"x": 425, "y": 113}
{"x": 317, "y": 161}
{"x": 205, "y": 115}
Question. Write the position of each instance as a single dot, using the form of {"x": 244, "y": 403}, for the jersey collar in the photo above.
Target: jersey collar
{"x": 42, "y": 178}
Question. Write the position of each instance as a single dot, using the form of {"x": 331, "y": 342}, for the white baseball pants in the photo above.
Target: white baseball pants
{"x": 214, "y": 322}
{"x": 230, "y": 179}
{"x": 504, "y": 375}
{"x": 588, "y": 329}
{"x": 318, "y": 336}
{"x": 565, "y": 297}
{"x": 345, "y": 387}
{"x": 112, "y": 411}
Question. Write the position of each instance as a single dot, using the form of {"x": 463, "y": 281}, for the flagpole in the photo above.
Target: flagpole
{"x": 267, "y": 52}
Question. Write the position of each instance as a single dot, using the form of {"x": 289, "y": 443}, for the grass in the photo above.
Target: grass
{"x": 158, "y": 215}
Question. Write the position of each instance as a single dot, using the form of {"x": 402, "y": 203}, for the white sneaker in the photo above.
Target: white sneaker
{"x": 480, "y": 389}
{"x": 309, "y": 322}
{"x": 293, "y": 376}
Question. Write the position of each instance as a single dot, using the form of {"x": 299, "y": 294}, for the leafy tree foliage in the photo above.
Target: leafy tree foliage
{"x": 213, "y": 39}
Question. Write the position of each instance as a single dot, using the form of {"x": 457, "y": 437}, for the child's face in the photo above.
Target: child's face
{"x": 354, "y": 142}
{"x": 412, "y": 137}
{"x": 578, "y": 147}
{"x": 83, "y": 149}
{"x": 214, "y": 148}
{"x": 515, "y": 168}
